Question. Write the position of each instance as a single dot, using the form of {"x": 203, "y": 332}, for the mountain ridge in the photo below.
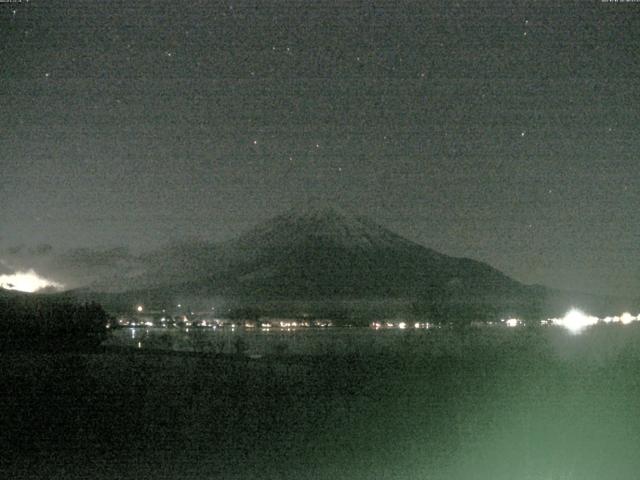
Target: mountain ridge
{"x": 318, "y": 254}
{"x": 328, "y": 256}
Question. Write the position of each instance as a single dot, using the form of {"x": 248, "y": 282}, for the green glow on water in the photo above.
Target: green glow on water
{"x": 483, "y": 404}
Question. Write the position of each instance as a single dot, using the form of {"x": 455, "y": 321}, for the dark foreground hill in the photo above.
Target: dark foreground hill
{"x": 49, "y": 322}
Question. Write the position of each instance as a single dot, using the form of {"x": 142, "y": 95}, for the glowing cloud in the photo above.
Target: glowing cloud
{"x": 27, "y": 281}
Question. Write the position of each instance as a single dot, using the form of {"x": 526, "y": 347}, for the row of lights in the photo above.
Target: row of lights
{"x": 575, "y": 320}
{"x": 400, "y": 325}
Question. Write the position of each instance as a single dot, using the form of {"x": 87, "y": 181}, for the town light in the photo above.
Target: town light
{"x": 575, "y": 321}
{"x": 512, "y": 322}
{"x": 626, "y": 318}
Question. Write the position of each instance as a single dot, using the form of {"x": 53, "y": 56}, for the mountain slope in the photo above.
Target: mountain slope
{"x": 336, "y": 262}
{"x": 322, "y": 253}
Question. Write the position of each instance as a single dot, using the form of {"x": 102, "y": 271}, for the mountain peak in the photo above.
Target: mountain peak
{"x": 318, "y": 210}
{"x": 322, "y": 222}
{"x": 321, "y": 252}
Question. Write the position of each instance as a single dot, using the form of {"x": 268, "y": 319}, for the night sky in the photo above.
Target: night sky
{"x": 503, "y": 131}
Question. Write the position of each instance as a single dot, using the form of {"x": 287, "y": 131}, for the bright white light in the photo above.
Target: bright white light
{"x": 512, "y": 322}
{"x": 575, "y": 321}
{"x": 139, "y": 308}
{"x": 402, "y": 325}
{"x": 626, "y": 318}
{"x": 28, "y": 281}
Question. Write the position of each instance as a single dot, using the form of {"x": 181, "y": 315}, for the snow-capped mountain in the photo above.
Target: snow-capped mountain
{"x": 331, "y": 257}
{"x": 318, "y": 253}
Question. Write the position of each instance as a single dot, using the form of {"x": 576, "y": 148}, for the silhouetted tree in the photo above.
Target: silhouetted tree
{"x": 51, "y": 323}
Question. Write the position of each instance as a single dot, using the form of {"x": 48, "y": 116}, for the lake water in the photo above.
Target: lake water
{"x": 260, "y": 342}
{"x": 481, "y": 404}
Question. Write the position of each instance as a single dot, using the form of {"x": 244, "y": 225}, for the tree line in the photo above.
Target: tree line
{"x": 50, "y": 323}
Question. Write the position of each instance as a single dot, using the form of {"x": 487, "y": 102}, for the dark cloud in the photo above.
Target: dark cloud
{"x": 5, "y": 270}
{"x": 24, "y": 250}
{"x": 15, "y": 250}
{"x": 42, "y": 249}
{"x": 92, "y": 258}
{"x": 102, "y": 268}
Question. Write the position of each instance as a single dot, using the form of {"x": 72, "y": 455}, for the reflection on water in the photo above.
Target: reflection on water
{"x": 479, "y": 404}
{"x": 260, "y": 342}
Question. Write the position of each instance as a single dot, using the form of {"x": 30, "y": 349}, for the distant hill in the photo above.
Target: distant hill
{"x": 333, "y": 262}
